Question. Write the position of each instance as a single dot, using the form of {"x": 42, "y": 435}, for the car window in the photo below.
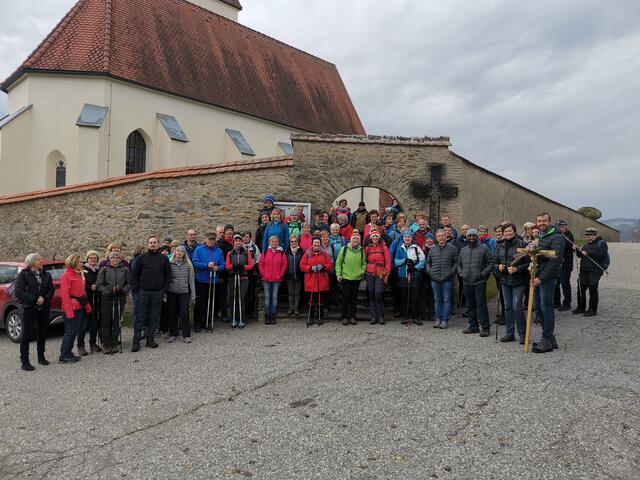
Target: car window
{"x": 56, "y": 271}
{"x": 7, "y": 274}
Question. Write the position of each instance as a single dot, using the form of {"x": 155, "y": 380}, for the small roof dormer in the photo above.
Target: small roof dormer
{"x": 226, "y": 8}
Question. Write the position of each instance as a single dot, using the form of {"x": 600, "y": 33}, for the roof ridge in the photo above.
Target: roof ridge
{"x": 57, "y": 30}
{"x": 108, "y": 13}
{"x": 232, "y": 22}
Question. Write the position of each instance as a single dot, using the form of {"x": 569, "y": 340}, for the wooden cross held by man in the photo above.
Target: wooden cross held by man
{"x": 533, "y": 251}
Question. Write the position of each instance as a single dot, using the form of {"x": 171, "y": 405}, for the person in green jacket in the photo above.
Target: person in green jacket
{"x": 350, "y": 267}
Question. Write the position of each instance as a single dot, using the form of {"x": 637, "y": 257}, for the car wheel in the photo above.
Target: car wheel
{"x": 14, "y": 325}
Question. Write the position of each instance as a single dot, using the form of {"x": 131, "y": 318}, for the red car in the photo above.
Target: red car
{"x": 11, "y": 310}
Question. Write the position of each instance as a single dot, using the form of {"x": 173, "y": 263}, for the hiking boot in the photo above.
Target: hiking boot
{"x": 309, "y": 322}
{"x": 353, "y": 321}
{"x": 107, "y": 350}
{"x": 42, "y": 360}
{"x": 151, "y": 343}
{"x": 554, "y": 344}
{"x": 82, "y": 352}
{"x": 589, "y": 313}
{"x": 544, "y": 345}
{"x": 373, "y": 321}
{"x": 186, "y": 339}
{"x": 443, "y": 325}
{"x": 507, "y": 339}
{"x": 437, "y": 324}
{"x": 94, "y": 348}
{"x": 135, "y": 347}
{"x": 564, "y": 308}
{"x": 289, "y": 313}
{"x": 267, "y": 319}
{"x": 578, "y": 311}
{"x": 296, "y": 313}
{"x": 71, "y": 359}
{"x": 381, "y": 321}
{"x": 471, "y": 329}
{"x": 171, "y": 339}
{"x": 485, "y": 332}
{"x": 273, "y": 319}
{"x": 320, "y": 321}
{"x": 345, "y": 321}
{"x": 417, "y": 321}
{"x": 27, "y": 367}
{"x": 521, "y": 340}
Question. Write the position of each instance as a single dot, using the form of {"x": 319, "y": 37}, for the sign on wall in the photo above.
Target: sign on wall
{"x": 288, "y": 207}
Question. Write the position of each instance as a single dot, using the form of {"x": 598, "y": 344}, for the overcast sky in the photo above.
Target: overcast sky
{"x": 546, "y": 93}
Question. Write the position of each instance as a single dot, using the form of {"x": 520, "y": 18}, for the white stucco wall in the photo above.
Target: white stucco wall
{"x": 216, "y": 6}
{"x": 93, "y": 154}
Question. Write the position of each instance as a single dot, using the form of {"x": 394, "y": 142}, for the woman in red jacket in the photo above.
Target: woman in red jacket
{"x": 376, "y": 275}
{"x": 74, "y": 302}
{"x": 316, "y": 264}
{"x": 273, "y": 266}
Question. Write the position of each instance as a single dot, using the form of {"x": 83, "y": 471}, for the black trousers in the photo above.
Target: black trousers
{"x": 201, "y": 308}
{"x": 178, "y": 309}
{"x": 252, "y": 297}
{"x": 564, "y": 284}
{"x": 426, "y": 300}
{"x": 409, "y": 297}
{"x": 238, "y": 297}
{"x": 112, "y": 308}
{"x": 91, "y": 321}
{"x": 221, "y": 298}
{"x": 588, "y": 283}
{"x": 38, "y": 319}
{"x": 349, "y": 298}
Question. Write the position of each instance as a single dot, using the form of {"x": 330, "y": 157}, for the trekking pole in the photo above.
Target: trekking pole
{"x": 498, "y": 314}
{"x": 318, "y": 287}
{"x": 93, "y": 317}
{"x": 120, "y": 324}
{"x": 213, "y": 305}
{"x": 408, "y": 322}
{"x": 113, "y": 316}
{"x": 235, "y": 284}
{"x": 240, "y": 303}
{"x": 206, "y": 323}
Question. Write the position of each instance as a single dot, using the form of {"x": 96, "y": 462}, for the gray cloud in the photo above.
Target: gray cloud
{"x": 545, "y": 93}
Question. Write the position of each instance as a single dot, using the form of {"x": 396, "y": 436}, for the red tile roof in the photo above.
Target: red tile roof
{"x": 177, "y": 47}
{"x": 238, "y": 166}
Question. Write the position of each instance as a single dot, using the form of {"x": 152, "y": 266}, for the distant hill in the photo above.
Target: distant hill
{"x": 629, "y": 228}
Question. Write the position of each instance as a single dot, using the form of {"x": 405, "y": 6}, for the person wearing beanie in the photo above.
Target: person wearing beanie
{"x": 360, "y": 217}
{"x": 350, "y": 267}
{"x": 239, "y": 264}
{"x": 269, "y": 201}
{"x": 316, "y": 264}
{"x": 442, "y": 261}
{"x": 410, "y": 261}
{"x": 594, "y": 260}
{"x": 564, "y": 285}
{"x": 377, "y": 273}
{"x": 475, "y": 264}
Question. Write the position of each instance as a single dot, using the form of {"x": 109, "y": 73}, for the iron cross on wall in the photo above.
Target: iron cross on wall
{"x": 434, "y": 191}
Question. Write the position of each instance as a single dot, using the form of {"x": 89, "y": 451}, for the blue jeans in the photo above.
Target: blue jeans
{"x": 477, "y": 310}
{"x": 71, "y": 327}
{"x": 147, "y": 314}
{"x": 270, "y": 297}
{"x": 543, "y": 299}
{"x": 442, "y": 299}
{"x": 513, "y": 312}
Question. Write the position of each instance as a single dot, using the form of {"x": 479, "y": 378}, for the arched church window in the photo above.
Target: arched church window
{"x": 61, "y": 174}
{"x": 136, "y": 153}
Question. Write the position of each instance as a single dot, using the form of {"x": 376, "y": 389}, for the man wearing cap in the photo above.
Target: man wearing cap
{"x": 567, "y": 266}
{"x": 594, "y": 259}
{"x": 545, "y": 281}
{"x": 475, "y": 264}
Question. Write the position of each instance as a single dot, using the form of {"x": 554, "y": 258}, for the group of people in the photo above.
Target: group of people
{"x": 327, "y": 257}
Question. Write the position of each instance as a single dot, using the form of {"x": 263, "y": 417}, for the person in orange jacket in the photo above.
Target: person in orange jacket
{"x": 74, "y": 303}
{"x": 316, "y": 264}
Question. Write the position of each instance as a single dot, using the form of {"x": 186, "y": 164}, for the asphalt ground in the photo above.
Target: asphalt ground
{"x": 357, "y": 402}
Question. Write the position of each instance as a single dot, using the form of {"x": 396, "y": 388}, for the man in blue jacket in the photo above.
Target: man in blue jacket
{"x": 208, "y": 261}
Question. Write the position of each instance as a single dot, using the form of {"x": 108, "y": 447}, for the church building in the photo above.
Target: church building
{"x": 123, "y": 87}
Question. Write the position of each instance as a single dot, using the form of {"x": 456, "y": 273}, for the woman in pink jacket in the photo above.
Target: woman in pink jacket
{"x": 74, "y": 302}
{"x": 273, "y": 266}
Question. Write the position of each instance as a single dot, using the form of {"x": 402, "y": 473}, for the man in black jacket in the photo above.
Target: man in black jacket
{"x": 545, "y": 281}
{"x": 593, "y": 262}
{"x": 567, "y": 267}
{"x": 151, "y": 277}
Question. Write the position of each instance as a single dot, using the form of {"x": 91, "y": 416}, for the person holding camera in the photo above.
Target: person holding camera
{"x": 74, "y": 303}
{"x": 34, "y": 288}
{"x": 113, "y": 283}
{"x": 410, "y": 261}
{"x": 475, "y": 263}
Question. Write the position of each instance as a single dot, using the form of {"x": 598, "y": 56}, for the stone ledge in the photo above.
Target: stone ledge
{"x": 237, "y": 166}
{"x": 373, "y": 139}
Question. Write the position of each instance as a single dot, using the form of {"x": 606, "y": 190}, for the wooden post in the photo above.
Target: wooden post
{"x": 527, "y": 334}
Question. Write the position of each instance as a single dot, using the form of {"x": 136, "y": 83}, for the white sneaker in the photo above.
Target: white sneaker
{"x": 187, "y": 339}
{"x": 172, "y": 339}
